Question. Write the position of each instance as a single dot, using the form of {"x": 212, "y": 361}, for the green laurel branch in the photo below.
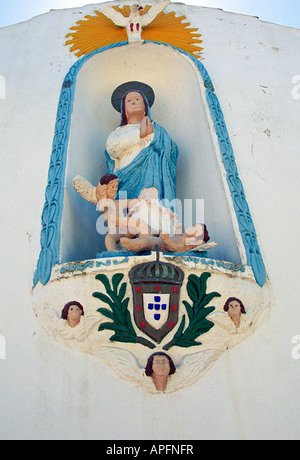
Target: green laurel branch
{"x": 197, "y": 312}
{"x": 118, "y": 313}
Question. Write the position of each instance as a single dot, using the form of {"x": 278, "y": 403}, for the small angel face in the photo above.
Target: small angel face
{"x": 112, "y": 188}
{"x": 234, "y": 308}
{"x": 74, "y": 315}
{"x": 161, "y": 366}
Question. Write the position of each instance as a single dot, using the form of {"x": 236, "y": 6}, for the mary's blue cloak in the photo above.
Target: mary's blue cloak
{"x": 154, "y": 166}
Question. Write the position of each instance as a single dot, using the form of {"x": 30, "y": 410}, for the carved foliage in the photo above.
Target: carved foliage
{"x": 197, "y": 313}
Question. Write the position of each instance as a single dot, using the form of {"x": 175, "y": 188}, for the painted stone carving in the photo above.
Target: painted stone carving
{"x": 72, "y": 313}
{"x": 140, "y": 224}
{"x": 235, "y": 309}
{"x": 114, "y": 211}
{"x": 194, "y": 334}
{"x": 52, "y": 213}
{"x": 97, "y": 31}
{"x": 72, "y": 324}
{"x": 172, "y": 303}
{"x": 135, "y": 22}
{"x": 236, "y": 319}
{"x": 156, "y": 293}
{"x": 159, "y": 367}
{"x": 143, "y": 158}
{"x": 140, "y": 152}
{"x": 127, "y": 367}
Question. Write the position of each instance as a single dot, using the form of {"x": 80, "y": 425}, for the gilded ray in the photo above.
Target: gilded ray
{"x": 169, "y": 29}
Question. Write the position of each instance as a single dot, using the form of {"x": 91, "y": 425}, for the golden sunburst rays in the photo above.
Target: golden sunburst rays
{"x": 94, "y": 32}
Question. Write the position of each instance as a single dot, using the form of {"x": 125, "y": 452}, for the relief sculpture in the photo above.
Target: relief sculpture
{"x": 157, "y": 305}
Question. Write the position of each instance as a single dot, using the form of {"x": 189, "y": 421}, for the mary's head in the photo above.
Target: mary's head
{"x": 130, "y": 96}
{"x": 134, "y": 104}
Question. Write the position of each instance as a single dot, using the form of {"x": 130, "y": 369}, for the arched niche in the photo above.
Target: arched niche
{"x": 179, "y": 108}
{"x": 187, "y": 107}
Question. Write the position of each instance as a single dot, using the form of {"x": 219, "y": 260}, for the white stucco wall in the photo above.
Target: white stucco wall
{"x": 49, "y": 392}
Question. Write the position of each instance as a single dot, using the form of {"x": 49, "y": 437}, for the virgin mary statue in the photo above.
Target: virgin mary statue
{"x": 140, "y": 152}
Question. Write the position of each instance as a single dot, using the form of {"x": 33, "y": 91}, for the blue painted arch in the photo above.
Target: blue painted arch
{"x": 54, "y": 195}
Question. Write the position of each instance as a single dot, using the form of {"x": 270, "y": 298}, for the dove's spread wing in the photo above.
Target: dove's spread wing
{"x": 153, "y": 12}
{"x": 85, "y": 189}
{"x": 117, "y": 18}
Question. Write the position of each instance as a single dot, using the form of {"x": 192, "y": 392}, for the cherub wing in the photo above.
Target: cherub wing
{"x": 192, "y": 368}
{"x": 122, "y": 362}
{"x": 57, "y": 326}
{"x": 221, "y": 319}
{"x": 254, "y": 314}
{"x": 85, "y": 189}
{"x": 148, "y": 17}
{"x": 84, "y": 328}
{"x": 117, "y": 18}
{"x": 53, "y": 315}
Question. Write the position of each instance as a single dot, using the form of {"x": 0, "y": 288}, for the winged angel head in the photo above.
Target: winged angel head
{"x": 160, "y": 374}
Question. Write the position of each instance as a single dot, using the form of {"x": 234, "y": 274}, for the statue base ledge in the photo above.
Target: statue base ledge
{"x": 111, "y": 261}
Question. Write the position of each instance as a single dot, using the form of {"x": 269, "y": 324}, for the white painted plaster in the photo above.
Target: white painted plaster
{"x": 51, "y": 392}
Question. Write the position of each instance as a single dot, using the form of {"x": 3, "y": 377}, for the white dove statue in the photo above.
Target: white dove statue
{"x": 135, "y": 22}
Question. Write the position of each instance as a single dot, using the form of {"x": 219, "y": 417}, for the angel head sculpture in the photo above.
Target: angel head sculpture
{"x": 72, "y": 313}
{"x": 160, "y": 366}
{"x": 235, "y": 308}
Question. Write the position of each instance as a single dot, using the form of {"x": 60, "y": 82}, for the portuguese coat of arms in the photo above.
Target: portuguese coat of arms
{"x": 156, "y": 293}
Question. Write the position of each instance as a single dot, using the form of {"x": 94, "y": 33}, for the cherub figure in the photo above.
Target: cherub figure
{"x": 114, "y": 211}
{"x": 142, "y": 216}
{"x": 194, "y": 238}
{"x": 142, "y": 223}
{"x": 72, "y": 324}
{"x": 150, "y": 217}
{"x": 163, "y": 375}
{"x": 235, "y": 318}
